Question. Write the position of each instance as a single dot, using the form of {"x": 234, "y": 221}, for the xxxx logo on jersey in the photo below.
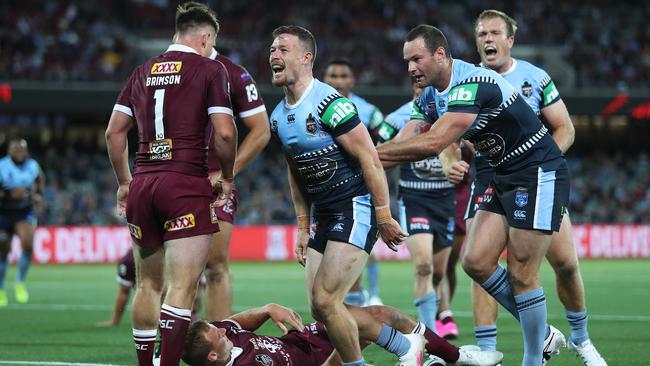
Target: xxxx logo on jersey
{"x": 180, "y": 223}
{"x": 170, "y": 67}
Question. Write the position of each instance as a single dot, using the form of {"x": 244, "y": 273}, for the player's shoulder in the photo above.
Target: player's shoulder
{"x": 233, "y": 68}
{"x": 534, "y": 71}
{"x": 470, "y": 73}
{"x": 322, "y": 90}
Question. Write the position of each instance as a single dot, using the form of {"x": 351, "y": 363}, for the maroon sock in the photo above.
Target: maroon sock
{"x": 173, "y": 328}
{"x": 144, "y": 345}
{"x": 440, "y": 347}
{"x": 448, "y": 319}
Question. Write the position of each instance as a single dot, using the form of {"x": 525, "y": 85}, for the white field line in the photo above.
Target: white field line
{"x": 460, "y": 314}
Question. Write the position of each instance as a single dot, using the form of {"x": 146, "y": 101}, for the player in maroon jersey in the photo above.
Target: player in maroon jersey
{"x": 247, "y": 104}
{"x": 175, "y": 99}
{"x": 233, "y": 342}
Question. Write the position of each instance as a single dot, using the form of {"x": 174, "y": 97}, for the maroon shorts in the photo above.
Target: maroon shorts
{"x": 167, "y": 206}
{"x": 228, "y": 211}
{"x": 462, "y": 197}
{"x": 311, "y": 346}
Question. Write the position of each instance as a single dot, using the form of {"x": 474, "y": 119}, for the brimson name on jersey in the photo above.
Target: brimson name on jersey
{"x": 307, "y": 131}
{"x": 506, "y": 131}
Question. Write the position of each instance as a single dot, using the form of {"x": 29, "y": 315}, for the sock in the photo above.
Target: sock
{"x": 532, "y": 314}
{"x": 393, "y": 341}
{"x": 427, "y": 306}
{"x": 173, "y": 328}
{"x": 144, "y": 345}
{"x": 446, "y": 316}
{"x": 24, "y": 262}
{"x": 436, "y": 345}
{"x": 373, "y": 278}
{"x": 360, "y": 362}
{"x": 356, "y": 298}
{"x": 578, "y": 324}
{"x": 499, "y": 288}
{"x": 4, "y": 263}
{"x": 486, "y": 337}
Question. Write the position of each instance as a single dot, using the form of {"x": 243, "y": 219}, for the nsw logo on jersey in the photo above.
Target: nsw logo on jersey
{"x": 464, "y": 94}
{"x": 526, "y": 89}
{"x": 310, "y": 124}
{"x": 170, "y": 67}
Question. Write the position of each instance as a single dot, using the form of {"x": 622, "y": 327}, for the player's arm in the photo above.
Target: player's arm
{"x": 411, "y": 129}
{"x": 558, "y": 118}
{"x": 258, "y": 136}
{"x": 118, "y": 153}
{"x": 121, "y": 299}
{"x": 225, "y": 145}
{"x": 252, "y": 319}
{"x": 447, "y": 129}
{"x": 301, "y": 207}
{"x": 358, "y": 144}
{"x": 453, "y": 167}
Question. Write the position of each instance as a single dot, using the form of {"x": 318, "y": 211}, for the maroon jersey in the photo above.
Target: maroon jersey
{"x": 244, "y": 97}
{"x": 307, "y": 348}
{"x": 126, "y": 270}
{"x": 171, "y": 97}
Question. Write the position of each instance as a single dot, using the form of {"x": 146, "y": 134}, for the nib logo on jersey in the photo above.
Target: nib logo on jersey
{"x": 180, "y": 223}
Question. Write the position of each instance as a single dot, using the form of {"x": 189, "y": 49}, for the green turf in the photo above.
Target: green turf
{"x": 66, "y": 301}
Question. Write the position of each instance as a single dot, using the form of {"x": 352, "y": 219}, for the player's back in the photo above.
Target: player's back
{"x": 171, "y": 97}
{"x": 14, "y": 176}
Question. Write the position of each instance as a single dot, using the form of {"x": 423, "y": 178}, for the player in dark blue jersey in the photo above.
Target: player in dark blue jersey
{"x": 21, "y": 184}
{"x": 337, "y": 180}
{"x": 495, "y": 36}
{"x": 530, "y": 182}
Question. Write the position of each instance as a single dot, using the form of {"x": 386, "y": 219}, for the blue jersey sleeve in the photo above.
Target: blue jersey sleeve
{"x": 473, "y": 97}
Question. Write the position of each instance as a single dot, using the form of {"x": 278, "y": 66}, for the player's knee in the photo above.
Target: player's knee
{"x": 474, "y": 266}
{"x": 424, "y": 269}
{"x": 217, "y": 273}
{"x": 521, "y": 279}
{"x": 322, "y": 305}
{"x": 565, "y": 269}
{"x": 438, "y": 275}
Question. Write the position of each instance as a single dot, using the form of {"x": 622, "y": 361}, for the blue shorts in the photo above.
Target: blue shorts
{"x": 9, "y": 219}
{"x": 478, "y": 193}
{"x": 351, "y": 221}
{"x": 424, "y": 212}
{"x": 535, "y": 198}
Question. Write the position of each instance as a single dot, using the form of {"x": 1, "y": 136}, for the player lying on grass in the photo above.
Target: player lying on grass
{"x": 232, "y": 342}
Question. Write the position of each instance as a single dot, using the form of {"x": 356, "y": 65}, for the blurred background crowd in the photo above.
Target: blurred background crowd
{"x": 583, "y": 47}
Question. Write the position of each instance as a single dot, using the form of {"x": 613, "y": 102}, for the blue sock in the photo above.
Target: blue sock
{"x": 499, "y": 288}
{"x": 4, "y": 263}
{"x": 373, "y": 278}
{"x": 393, "y": 341}
{"x": 356, "y": 298}
{"x": 486, "y": 337}
{"x": 427, "y": 306}
{"x": 578, "y": 324}
{"x": 361, "y": 362}
{"x": 24, "y": 262}
{"x": 532, "y": 312}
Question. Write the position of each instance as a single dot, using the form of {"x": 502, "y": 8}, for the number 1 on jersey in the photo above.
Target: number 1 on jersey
{"x": 159, "y": 96}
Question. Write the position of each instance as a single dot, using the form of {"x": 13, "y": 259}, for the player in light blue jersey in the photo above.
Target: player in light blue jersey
{"x": 340, "y": 76}
{"x": 21, "y": 184}
{"x": 531, "y": 182}
{"x": 339, "y": 193}
{"x": 495, "y": 36}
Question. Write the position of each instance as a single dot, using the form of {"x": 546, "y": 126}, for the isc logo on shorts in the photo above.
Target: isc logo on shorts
{"x": 135, "y": 231}
{"x": 171, "y": 67}
{"x": 180, "y": 223}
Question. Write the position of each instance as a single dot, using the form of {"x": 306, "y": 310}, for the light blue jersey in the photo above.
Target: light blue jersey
{"x": 537, "y": 89}
{"x": 307, "y": 131}
{"x": 394, "y": 122}
{"x": 506, "y": 131}
{"x": 14, "y": 176}
{"x": 369, "y": 114}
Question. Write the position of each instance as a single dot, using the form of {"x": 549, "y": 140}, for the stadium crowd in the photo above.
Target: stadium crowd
{"x": 99, "y": 41}
{"x": 606, "y": 188}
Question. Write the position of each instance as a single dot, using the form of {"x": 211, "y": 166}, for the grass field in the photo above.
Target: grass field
{"x": 57, "y": 326}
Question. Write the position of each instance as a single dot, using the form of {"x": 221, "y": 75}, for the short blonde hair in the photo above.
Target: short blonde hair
{"x": 511, "y": 24}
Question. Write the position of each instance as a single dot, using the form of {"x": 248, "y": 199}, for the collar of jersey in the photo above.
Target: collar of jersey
{"x": 214, "y": 54}
{"x": 234, "y": 353}
{"x": 181, "y": 48}
{"x": 512, "y": 67}
{"x": 302, "y": 97}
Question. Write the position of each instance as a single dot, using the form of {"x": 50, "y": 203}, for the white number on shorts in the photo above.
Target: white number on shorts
{"x": 159, "y": 96}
